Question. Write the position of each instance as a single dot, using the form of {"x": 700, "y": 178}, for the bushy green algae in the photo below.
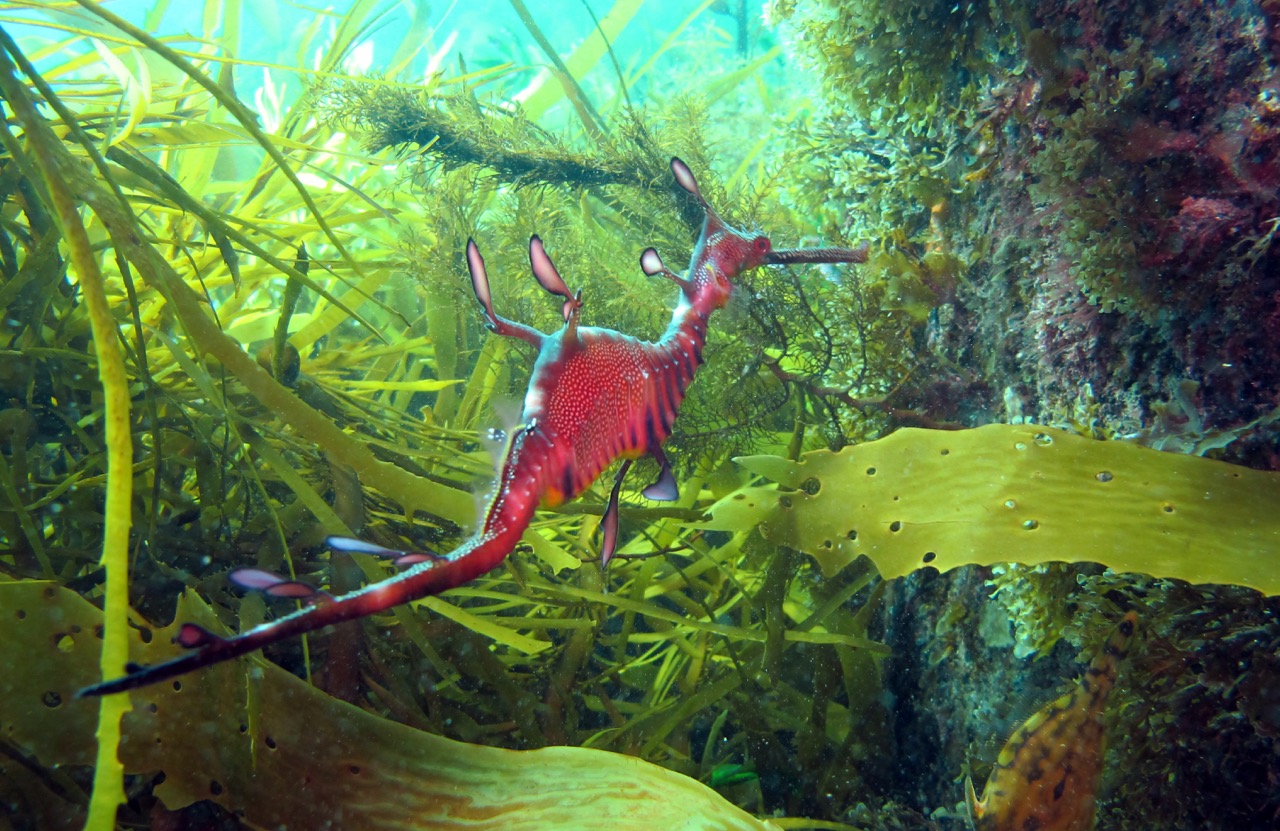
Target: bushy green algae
{"x": 240, "y": 457}
{"x": 1019, "y": 493}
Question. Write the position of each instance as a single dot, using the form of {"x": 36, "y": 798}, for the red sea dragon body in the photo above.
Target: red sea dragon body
{"x": 595, "y": 396}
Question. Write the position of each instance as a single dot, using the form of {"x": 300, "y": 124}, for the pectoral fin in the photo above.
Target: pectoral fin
{"x": 975, "y": 808}
{"x": 665, "y": 488}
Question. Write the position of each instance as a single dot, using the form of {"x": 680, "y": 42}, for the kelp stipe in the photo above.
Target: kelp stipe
{"x": 595, "y": 396}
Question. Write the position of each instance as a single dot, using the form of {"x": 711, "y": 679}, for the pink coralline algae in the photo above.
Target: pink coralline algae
{"x": 1201, "y": 227}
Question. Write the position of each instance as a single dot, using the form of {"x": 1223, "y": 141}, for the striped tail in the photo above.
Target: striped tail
{"x": 1048, "y": 773}
{"x": 509, "y": 513}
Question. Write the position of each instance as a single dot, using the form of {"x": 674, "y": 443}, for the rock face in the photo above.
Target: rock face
{"x": 1197, "y": 692}
{"x": 1085, "y": 196}
{"x": 1086, "y": 191}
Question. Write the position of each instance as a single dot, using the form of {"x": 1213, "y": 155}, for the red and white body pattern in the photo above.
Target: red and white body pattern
{"x": 595, "y": 396}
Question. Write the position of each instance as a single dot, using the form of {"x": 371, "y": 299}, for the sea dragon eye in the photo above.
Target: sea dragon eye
{"x": 762, "y": 245}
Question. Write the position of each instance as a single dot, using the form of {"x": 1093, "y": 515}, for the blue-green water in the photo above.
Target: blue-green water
{"x": 1025, "y": 435}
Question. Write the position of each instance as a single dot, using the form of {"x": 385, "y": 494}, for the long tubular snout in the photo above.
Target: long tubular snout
{"x": 791, "y": 256}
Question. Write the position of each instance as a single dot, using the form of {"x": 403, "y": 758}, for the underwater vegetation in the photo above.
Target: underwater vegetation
{"x": 237, "y": 320}
{"x": 595, "y": 396}
{"x": 265, "y": 278}
{"x": 949, "y": 498}
{"x": 1073, "y": 197}
{"x": 1099, "y": 177}
{"x": 289, "y": 737}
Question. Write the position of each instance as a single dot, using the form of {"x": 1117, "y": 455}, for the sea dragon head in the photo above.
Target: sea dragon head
{"x": 723, "y": 253}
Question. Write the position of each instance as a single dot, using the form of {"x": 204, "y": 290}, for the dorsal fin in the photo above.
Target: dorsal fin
{"x": 548, "y": 276}
{"x": 974, "y": 808}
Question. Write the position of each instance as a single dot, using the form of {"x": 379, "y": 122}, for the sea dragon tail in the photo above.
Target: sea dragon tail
{"x": 429, "y": 575}
{"x": 513, "y": 505}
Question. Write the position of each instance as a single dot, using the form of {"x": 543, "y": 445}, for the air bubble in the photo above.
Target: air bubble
{"x": 929, "y": 556}
{"x": 1042, "y": 439}
{"x": 895, "y": 526}
{"x": 1104, "y": 476}
{"x": 1009, "y": 503}
{"x": 1030, "y": 525}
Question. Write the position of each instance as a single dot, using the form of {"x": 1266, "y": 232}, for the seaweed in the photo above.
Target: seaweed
{"x": 263, "y": 278}
{"x": 254, "y": 746}
{"x": 1015, "y": 493}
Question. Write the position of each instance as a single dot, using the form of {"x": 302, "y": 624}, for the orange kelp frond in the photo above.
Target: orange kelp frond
{"x": 1047, "y": 774}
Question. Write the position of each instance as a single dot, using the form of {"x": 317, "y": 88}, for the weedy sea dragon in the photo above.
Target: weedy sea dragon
{"x": 1046, "y": 777}
{"x": 595, "y": 396}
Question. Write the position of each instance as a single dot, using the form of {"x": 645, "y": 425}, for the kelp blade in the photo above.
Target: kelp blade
{"x": 1018, "y": 493}
{"x": 310, "y": 761}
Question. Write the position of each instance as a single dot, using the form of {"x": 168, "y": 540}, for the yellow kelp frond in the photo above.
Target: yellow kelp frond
{"x": 305, "y": 760}
{"x": 1018, "y": 493}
